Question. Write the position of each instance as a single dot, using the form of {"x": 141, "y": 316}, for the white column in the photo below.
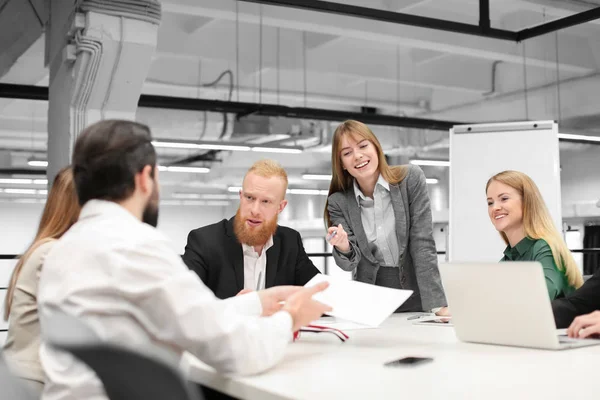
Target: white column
{"x": 98, "y": 64}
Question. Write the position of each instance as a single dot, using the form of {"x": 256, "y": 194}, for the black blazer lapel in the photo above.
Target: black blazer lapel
{"x": 233, "y": 251}
{"x": 357, "y": 226}
{"x": 273, "y": 261}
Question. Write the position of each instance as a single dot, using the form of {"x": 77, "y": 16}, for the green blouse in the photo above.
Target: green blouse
{"x": 538, "y": 250}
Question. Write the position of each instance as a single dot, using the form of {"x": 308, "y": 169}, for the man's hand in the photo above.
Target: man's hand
{"x": 585, "y": 326}
{"x": 303, "y": 308}
{"x": 272, "y": 298}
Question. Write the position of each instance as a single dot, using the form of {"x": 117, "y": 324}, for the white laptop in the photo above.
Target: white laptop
{"x": 503, "y": 303}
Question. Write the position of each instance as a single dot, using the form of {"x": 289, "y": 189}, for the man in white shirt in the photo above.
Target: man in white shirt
{"x": 116, "y": 273}
{"x": 251, "y": 251}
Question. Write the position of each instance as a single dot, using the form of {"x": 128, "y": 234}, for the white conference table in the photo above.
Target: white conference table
{"x": 320, "y": 366}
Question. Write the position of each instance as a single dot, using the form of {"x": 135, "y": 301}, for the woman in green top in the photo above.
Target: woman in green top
{"x": 517, "y": 210}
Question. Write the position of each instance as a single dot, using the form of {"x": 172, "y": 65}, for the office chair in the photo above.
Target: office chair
{"x": 128, "y": 375}
{"x": 125, "y": 373}
{"x": 10, "y": 386}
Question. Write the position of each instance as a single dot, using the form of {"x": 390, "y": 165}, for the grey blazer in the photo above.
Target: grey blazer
{"x": 418, "y": 259}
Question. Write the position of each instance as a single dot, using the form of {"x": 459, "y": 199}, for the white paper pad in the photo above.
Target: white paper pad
{"x": 359, "y": 302}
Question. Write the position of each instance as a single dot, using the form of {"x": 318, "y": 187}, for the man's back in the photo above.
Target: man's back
{"x": 119, "y": 276}
{"x": 82, "y": 276}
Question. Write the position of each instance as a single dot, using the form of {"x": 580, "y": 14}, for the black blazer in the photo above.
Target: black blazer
{"x": 584, "y": 300}
{"x": 215, "y": 254}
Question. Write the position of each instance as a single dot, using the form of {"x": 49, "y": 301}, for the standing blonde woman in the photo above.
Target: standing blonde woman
{"x": 379, "y": 220}
{"x": 20, "y": 307}
{"x": 517, "y": 210}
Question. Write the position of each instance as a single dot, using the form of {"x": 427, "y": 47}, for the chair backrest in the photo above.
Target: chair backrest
{"x": 10, "y": 386}
{"x": 126, "y": 373}
{"x": 129, "y": 375}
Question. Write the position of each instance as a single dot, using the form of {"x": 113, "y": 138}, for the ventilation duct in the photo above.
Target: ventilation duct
{"x": 143, "y": 10}
{"x": 284, "y": 131}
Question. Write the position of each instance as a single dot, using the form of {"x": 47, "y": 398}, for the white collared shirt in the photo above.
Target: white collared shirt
{"x": 255, "y": 266}
{"x": 379, "y": 222}
{"x": 120, "y": 277}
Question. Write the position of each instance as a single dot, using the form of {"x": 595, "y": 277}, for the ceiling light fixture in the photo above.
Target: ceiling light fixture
{"x": 205, "y": 196}
{"x": 194, "y": 203}
{"x": 209, "y": 196}
{"x": 37, "y": 163}
{"x": 199, "y": 145}
{"x": 313, "y": 192}
{"x": 431, "y": 163}
{"x": 285, "y": 150}
{"x": 186, "y": 196}
{"x": 316, "y": 177}
{"x": 17, "y": 181}
{"x": 579, "y": 138}
{"x": 206, "y": 145}
{"x": 23, "y": 181}
{"x": 431, "y": 181}
{"x": 174, "y": 168}
{"x": 20, "y": 191}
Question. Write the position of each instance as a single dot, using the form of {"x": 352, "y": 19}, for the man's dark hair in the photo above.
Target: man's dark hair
{"x": 107, "y": 156}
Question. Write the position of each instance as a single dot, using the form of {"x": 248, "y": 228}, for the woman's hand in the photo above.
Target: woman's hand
{"x": 443, "y": 312}
{"x": 337, "y": 236}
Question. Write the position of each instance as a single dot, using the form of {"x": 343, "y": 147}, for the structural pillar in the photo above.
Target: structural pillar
{"x": 99, "y": 55}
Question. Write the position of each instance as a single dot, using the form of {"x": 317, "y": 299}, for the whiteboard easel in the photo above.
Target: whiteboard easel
{"x": 477, "y": 152}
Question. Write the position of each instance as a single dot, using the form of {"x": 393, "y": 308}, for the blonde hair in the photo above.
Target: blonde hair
{"x": 60, "y": 213}
{"x": 268, "y": 168}
{"x": 341, "y": 179}
{"x": 537, "y": 222}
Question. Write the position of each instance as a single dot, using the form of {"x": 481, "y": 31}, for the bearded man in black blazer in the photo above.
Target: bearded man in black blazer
{"x": 251, "y": 251}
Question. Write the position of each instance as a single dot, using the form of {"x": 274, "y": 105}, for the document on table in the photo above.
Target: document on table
{"x": 359, "y": 302}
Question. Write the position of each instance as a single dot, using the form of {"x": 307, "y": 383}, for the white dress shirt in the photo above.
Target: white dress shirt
{"x": 255, "y": 266}
{"x": 120, "y": 277}
{"x": 379, "y": 223}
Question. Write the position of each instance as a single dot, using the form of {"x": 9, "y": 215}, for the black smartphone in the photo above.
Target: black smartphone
{"x": 408, "y": 361}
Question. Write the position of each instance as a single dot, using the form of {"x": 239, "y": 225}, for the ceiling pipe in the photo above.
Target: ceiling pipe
{"x": 483, "y": 29}
{"x": 29, "y": 92}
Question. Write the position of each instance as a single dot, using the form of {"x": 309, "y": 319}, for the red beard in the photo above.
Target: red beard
{"x": 253, "y": 236}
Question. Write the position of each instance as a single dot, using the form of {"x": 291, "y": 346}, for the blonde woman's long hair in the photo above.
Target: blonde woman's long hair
{"x": 341, "y": 180}
{"x": 537, "y": 222}
{"x": 60, "y": 213}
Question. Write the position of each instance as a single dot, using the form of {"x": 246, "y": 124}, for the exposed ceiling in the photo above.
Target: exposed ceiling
{"x": 304, "y": 58}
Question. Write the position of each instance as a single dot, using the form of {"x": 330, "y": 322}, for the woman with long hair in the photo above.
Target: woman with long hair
{"x": 20, "y": 307}
{"x": 517, "y": 210}
{"x": 378, "y": 220}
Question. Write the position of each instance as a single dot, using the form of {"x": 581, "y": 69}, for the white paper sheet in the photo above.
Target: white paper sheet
{"x": 359, "y": 302}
